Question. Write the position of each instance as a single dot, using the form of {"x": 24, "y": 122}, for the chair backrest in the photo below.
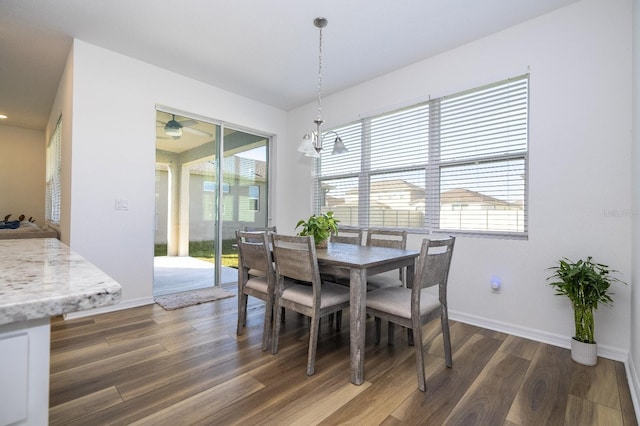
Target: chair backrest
{"x": 433, "y": 267}
{"x": 387, "y": 238}
{"x": 260, "y": 229}
{"x": 253, "y": 251}
{"x": 347, "y": 236}
{"x": 256, "y": 231}
{"x": 295, "y": 257}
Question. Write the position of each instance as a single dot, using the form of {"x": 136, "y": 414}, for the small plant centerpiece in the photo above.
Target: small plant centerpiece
{"x": 586, "y": 284}
{"x": 320, "y": 226}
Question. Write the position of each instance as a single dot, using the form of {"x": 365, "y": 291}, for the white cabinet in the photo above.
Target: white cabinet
{"x": 24, "y": 373}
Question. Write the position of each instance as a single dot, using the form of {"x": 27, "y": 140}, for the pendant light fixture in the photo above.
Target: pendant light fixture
{"x": 311, "y": 144}
{"x": 173, "y": 128}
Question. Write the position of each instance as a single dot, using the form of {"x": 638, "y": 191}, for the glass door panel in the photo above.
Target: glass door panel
{"x": 245, "y": 189}
{"x": 186, "y": 194}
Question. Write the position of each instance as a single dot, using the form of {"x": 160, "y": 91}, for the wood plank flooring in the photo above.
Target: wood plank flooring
{"x": 148, "y": 366}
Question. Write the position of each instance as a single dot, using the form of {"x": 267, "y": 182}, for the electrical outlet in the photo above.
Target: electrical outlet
{"x": 122, "y": 204}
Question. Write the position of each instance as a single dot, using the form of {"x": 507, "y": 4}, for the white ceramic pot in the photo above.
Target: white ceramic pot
{"x": 584, "y": 353}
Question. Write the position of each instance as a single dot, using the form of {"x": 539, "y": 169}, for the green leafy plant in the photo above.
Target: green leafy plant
{"x": 320, "y": 226}
{"x": 586, "y": 284}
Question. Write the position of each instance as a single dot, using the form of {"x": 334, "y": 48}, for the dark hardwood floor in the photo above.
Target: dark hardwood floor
{"x": 154, "y": 367}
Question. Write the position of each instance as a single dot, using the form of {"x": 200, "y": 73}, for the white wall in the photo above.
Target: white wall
{"x": 580, "y": 170}
{"x": 22, "y": 173}
{"x": 633, "y": 370}
{"x": 113, "y": 155}
{"x": 63, "y": 108}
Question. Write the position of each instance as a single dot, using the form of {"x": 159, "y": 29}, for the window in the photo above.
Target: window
{"x": 455, "y": 163}
{"x": 53, "y": 176}
{"x": 254, "y": 198}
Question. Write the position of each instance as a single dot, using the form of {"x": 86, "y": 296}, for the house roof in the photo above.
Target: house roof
{"x": 460, "y": 195}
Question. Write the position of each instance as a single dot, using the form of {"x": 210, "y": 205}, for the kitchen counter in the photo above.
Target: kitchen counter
{"x": 39, "y": 278}
{"x": 42, "y": 277}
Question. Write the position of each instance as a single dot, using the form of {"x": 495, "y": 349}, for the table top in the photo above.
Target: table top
{"x": 353, "y": 255}
{"x": 43, "y": 277}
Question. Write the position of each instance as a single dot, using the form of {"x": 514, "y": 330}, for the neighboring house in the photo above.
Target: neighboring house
{"x": 464, "y": 199}
{"x": 462, "y": 209}
{"x": 244, "y": 194}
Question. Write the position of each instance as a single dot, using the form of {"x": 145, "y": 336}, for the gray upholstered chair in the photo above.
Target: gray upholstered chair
{"x": 413, "y": 307}
{"x": 254, "y": 254}
{"x": 295, "y": 258}
{"x": 387, "y": 238}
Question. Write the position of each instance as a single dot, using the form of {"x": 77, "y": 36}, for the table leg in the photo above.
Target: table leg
{"x": 358, "y": 319}
{"x": 411, "y": 270}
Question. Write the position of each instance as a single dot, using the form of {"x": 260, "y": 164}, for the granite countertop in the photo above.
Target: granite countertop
{"x": 43, "y": 277}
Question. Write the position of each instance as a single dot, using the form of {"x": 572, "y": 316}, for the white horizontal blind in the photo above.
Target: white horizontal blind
{"x": 456, "y": 163}
{"x": 53, "y": 176}
{"x": 337, "y": 186}
{"x": 399, "y": 154}
{"x": 483, "y": 148}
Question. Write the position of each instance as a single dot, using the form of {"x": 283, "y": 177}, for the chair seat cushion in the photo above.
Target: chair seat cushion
{"x": 332, "y": 294}
{"x": 256, "y": 273}
{"x": 258, "y": 283}
{"x": 397, "y": 301}
{"x": 384, "y": 280}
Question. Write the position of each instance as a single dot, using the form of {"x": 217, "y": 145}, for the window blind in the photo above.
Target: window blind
{"x": 455, "y": 163}
{"x": 53, "y": 176}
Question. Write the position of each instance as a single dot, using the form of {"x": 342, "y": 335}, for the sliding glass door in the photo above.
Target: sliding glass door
{"x": 201, "y": 201}
{"x": 245, "y": 188}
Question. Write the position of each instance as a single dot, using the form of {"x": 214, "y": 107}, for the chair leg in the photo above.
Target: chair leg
{"x": 268, "y": 323}
{"x": 391, "y": 333}
{"x": 242, "y": 313}
{"x": 275, "y": 333}
{"x": 446, "y": 339}
{"x": 313, "y": 343}
{"x": 338, "y": 320}
{"x": 378, "y": 322}
{"x": 417, "y": 335}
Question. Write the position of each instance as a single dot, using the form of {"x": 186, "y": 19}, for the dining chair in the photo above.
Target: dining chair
{"x": 259, "y": 229}
{"x": 254, "y": 254}
{"x": 343, "y": 236}
{"x": 347, "y": 236}
{"x": 392, "y": 239}
{"x": 295, "y": 258}
{"x": 415, "y": 306}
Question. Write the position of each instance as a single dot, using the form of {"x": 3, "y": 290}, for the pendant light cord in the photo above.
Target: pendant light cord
{"x": 320, "y": 78}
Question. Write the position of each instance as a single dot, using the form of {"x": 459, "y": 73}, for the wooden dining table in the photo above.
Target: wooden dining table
{"x": 362, "y": 261}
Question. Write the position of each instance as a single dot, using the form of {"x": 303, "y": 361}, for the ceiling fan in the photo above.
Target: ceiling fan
{"x": 174, "y": 128}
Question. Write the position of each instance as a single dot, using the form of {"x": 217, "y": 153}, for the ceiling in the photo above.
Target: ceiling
{"x": 264, "y": 50}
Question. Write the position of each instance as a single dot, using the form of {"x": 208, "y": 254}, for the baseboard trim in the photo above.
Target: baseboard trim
{"x": 126, "y": 304}
{"x": 609, "y": 352}
{"x": 634, "y": 384}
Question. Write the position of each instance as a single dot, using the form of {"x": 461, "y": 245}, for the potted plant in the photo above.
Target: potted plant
{"x": 586, "y": 284}
{"x": 320, "y": 226}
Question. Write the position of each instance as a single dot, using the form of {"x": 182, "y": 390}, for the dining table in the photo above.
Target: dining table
{"x": 361, "y": 262}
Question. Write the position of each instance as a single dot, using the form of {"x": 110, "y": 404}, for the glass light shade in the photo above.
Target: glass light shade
{"x": 313, "y": 153}
{"x": 338, "y": 147}
{"x": 306, "y": 144}
{"x": 174, "y": 131}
